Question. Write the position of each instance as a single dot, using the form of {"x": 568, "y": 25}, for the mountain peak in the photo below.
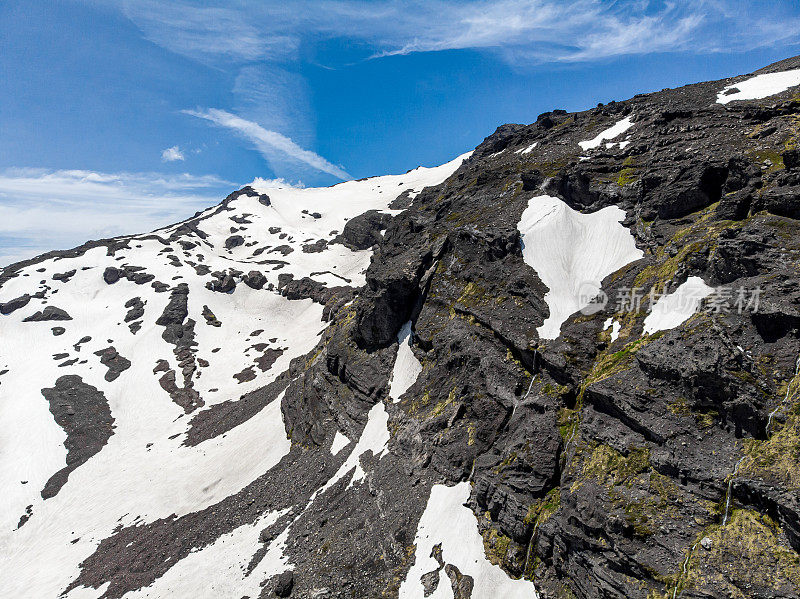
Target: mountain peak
{"x": 562, "y": 365}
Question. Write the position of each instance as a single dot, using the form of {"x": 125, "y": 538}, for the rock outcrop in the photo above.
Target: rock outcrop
{"x": 649, "y": 448}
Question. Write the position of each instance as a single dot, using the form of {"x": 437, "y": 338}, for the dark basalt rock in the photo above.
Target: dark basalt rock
{"x": 15, "y": 304}
{"x": 211, "y": 319}
{"x": 111, "y": 275}
{"x": 333, "y": 298}
{"x": 233, "y": 241}
{"x": 83, "y": 412}
{"x": 313, "y": 248}
{"x": 263, "y": 198}
{"x": 223, "y": 283}
{"x": 174, "y": 314}
{"x": 64, "y": 276}
{"x": 133, "y": 273}
{"x": 791, "y": 159}
{"x": 135, "y": 307}
{"x": 179, "y": 331}
{"x": 254, "y": 279}
{"x": 116, "y": 364}
{"x": 220, "y": 418}
{"x": 284, "y": 584}
{"x": 363, "y": 231}
{"x": 594, "y": 462}
{"x": 49, "y": 313}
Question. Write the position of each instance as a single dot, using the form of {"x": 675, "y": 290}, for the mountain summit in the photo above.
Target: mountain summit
{"x": 564, "y": 365}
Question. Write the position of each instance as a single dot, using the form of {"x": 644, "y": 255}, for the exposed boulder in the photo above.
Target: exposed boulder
{"x": 14, "y": 304}
{"x": 49, "y": 313}
{"x": 363, "y": 231}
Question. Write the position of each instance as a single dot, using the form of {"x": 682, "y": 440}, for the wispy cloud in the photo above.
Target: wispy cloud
{"x": 172, "y": 154}
{"x": 520, "y": 30}
{"x": 268, "y": 142}
{"x": 44, "y": 209}
{"x": 263, "y": 43}
{"x": 208, "y": 33}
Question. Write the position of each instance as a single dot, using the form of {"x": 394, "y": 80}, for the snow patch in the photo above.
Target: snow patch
{"x": 760, "y": 86}
{"x": 615, "y": 328}
{"x": 675, "y": 308}
{"x": 572, "y": 253}
{"x": 406, "y": 366}
{"x": 374, "y": 438}
{"x": 448, "y": 521}
{"x": 614, "y": 131}
{"x": 339, "y": 443}
{"x": 527, "y": 150}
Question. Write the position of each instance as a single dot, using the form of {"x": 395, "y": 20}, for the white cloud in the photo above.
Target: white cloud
{"x": 277, "y": 99}
{"x": 207, "y": 33}
{"x": 269, "y": 142}
{"x": 262, "y": 43}
{"x": 520, "y": 30}
{"x": 260, "y": 183}
{"x": 43, "y": 209}
{"x": 172, "y": 154}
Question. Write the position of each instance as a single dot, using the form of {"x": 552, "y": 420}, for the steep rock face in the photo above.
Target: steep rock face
{"x": 598, "y": 464}
{"x": 610, "y": 452}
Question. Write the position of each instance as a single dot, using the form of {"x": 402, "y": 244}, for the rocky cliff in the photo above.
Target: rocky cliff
{"x": 566, "y": 364}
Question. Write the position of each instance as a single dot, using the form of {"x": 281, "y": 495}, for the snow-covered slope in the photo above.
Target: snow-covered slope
{"x": 158, "y": 331}
{"x": 572, "y": 253}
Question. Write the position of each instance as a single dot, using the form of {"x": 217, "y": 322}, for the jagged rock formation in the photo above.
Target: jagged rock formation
{"x": 405, "y": 407}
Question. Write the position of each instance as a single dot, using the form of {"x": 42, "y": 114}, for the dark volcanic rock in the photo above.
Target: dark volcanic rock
{"x": 223, "y": 417}
{"x": 83, "y": 412}
{"x": 49, "y": 313}
{"x": 284, "y": 584}
{"x": 174, "y": 314}
{"x": 116, "y": 364}
{"x": 64, "y": 276}
{"x": 233, "y": 241}
{"x": 179, "y": 331}
{"x": 316, "y": 247}
{"x": 254, "y": 279}
{"x": 210, "y": 318}
{"x": 135, "y": 309}
{"x": 791, "y": 158}
{"x": 111, "y": 275}
{"x": 15, "y": 304}
{"x": 224, "y": 284}
{"x": 596, "y": 464}
{"x": 363, "y": 231}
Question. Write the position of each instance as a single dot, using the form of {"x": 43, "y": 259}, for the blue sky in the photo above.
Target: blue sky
{"x": 117, "y": 117}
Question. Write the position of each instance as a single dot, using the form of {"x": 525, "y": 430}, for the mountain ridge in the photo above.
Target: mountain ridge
{"x": 352, "y": 391}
